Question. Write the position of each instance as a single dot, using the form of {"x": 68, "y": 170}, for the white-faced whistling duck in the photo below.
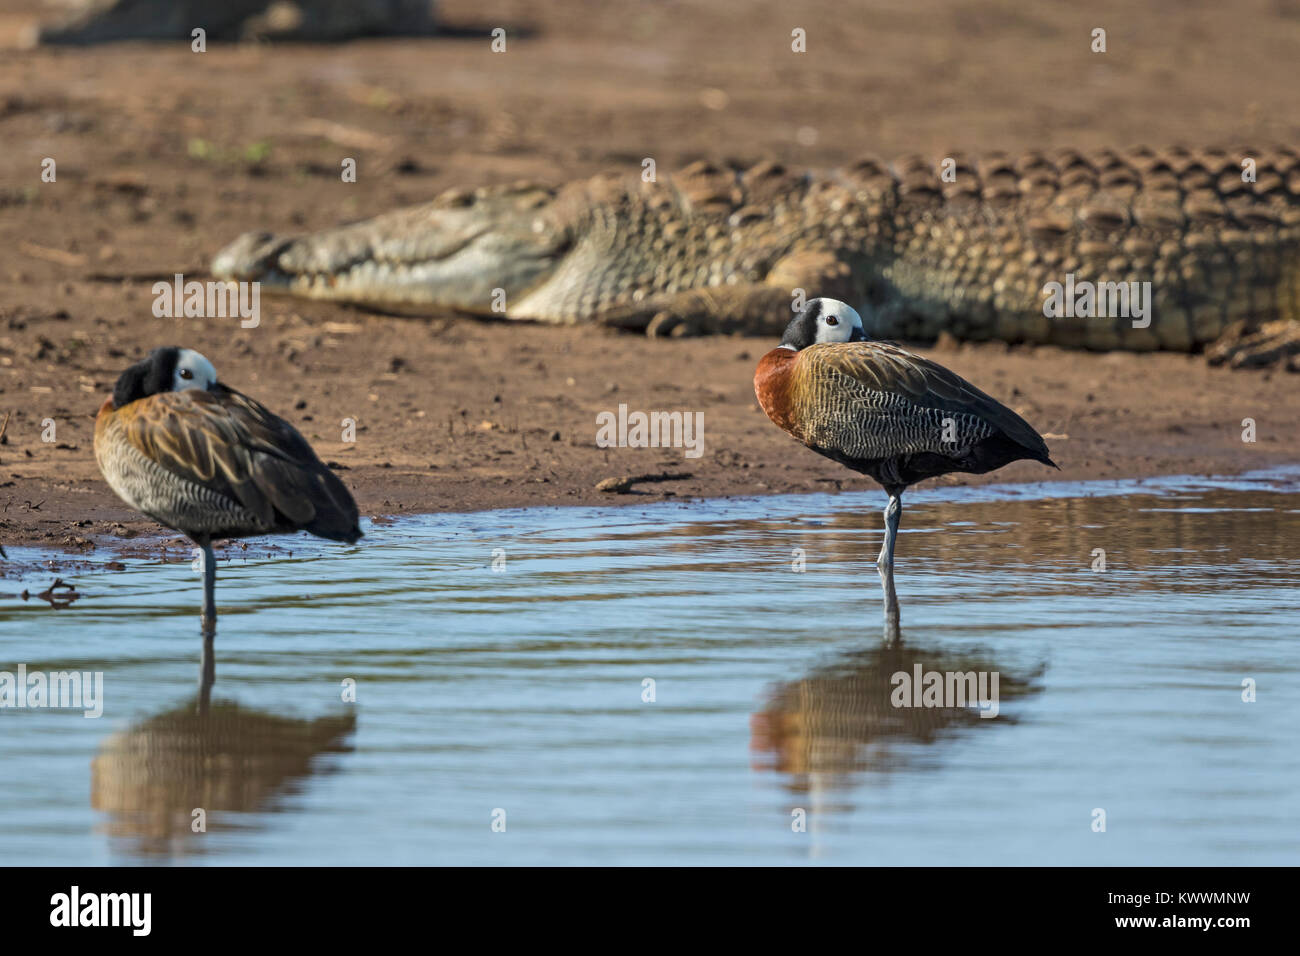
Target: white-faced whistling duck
{"x": 205, "y": 460}
{"x": 882, "y": 411}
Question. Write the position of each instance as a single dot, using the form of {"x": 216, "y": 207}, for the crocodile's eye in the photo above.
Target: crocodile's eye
{"x": 832, "y": 320}
{"x": 186, "y": 374}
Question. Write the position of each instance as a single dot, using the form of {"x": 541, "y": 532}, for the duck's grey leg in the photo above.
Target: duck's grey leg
{"x": 207, "y": 674}
{"x": 207, "y": 625}
{"x": 893, "y": 512}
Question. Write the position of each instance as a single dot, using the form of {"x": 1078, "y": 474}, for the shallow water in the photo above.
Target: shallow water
{"x": 521, "y": 689}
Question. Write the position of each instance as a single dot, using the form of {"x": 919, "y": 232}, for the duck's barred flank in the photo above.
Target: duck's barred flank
{"x": 216, "y": 464}
{"x": 163, "y": 495}
{"x": 717, "y": 249}
{"x": 897, "y": 417}
{"x": 867, "y": 423}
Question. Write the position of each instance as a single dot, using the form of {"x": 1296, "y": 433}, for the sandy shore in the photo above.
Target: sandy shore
{"x": 458, "y": 416}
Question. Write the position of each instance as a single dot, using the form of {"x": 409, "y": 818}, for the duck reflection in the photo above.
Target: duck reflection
{"x": 211, "y": 755}
{"x": 868, "y": 707}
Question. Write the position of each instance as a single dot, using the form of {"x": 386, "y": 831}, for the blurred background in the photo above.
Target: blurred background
{"x": 248, "y": 132}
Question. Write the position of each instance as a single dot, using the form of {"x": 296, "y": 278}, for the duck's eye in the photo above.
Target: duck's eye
{"x": 186, "y": 374}
{"x": 832, "y": 320}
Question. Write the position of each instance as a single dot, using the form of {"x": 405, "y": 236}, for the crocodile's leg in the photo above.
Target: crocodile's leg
{"x": 751, "y": 308}
{"x": 1246, "y": 346}
{"x": 756, "y": 309}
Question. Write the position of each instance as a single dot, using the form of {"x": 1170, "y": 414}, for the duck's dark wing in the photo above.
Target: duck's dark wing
{"x": 235, "y": 447}
{"x": 883, "y": 381}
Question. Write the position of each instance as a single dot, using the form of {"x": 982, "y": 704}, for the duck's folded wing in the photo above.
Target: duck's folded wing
{"x": 883, "y": 369}
{"x": 234, "y": 446}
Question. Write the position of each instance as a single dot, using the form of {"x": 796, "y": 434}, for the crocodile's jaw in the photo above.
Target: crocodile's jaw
{"x": 475, "y": 253}
{"x": 250, "y": 258}
{"x": 481, "y": 278}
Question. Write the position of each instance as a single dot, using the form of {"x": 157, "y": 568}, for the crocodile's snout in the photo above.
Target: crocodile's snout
{"x": 249, "y": 258}
{"x": 474, "y": 257}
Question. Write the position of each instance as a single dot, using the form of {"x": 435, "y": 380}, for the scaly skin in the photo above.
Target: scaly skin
{"x": 710, "y": 249}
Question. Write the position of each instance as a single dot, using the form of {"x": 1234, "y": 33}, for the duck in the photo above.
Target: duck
{"x": 208, "y": 461}
{"x": 883, "y": 411}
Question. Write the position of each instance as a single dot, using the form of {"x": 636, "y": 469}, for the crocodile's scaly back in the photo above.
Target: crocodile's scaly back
{"x": 973, "y": 257}
{"x": 965, "y": 246}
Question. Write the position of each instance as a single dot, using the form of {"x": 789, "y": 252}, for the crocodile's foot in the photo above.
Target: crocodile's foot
{"x": 671, "y": 323}
{"x": 1246, "y": 346}
{"x": 754, "y": 309}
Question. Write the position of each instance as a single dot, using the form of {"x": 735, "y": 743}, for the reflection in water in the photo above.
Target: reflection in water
{"x": 207, "y": 673}
{"x": 889, "y": 602}
{"x": 1139, "y": 532}
{"x": 521, "y": 689}
{"x": 841, "y": 718}
{"x": 222, "y": 758}
{"x": 57, "y": 595}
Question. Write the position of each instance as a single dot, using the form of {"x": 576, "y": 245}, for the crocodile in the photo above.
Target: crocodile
{"x": 964, "y": 246}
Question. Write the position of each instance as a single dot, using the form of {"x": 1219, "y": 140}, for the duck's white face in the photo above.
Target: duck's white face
{"x": 192, "y": 371}
{"x": 823, "y": 321}
{"x": 838, "y": 322}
